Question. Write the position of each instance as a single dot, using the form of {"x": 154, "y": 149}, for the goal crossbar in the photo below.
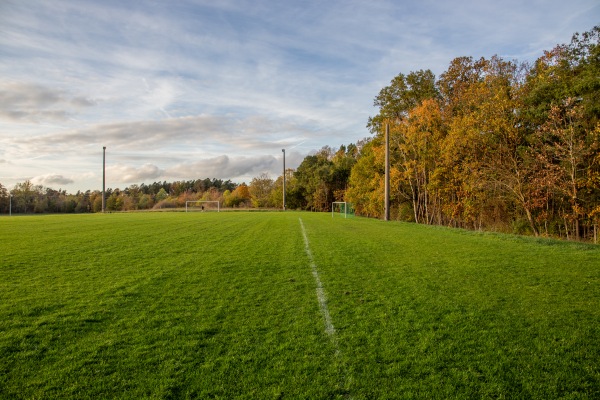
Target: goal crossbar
{"x": 202, "y": 202}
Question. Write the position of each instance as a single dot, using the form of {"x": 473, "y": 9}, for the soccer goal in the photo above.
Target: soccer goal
{"x": 342, "y": 208}
{"x": 202, "y": 205}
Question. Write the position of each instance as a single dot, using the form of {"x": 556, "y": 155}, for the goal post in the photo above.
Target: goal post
{"x": 343, "y": 208}
{"x": 202, "y": 205}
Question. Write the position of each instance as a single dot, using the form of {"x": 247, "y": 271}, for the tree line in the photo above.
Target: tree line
{"x": 27, "y": 197}
{"x": 320, "y": 179}
{"x": 489, "y": 144}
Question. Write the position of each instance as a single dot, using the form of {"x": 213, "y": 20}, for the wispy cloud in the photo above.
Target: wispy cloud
{"x": 205, "y": 133}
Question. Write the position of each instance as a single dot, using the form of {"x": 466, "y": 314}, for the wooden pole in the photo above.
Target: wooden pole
{"x": 103, "y": 179}
{"x": 283, "y": 150}
{"x": 386, "y": 216}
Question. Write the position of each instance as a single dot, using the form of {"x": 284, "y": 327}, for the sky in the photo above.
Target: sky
{"x": 194, "y": 89}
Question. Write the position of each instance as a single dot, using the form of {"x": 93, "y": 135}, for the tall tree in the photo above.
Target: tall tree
{"x": 25, "y": 196}
{"x": 567, "y": 152}
{"x": 4, "y": 199}
{"x": 366, "y": 185}
{"x": 403, "y": 94}
{"x": 314, "y": 176}
{"x": 417, "y": 148}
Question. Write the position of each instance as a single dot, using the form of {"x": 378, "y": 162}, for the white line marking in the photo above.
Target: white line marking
{"x": 329, "y": 329}
{"x": 345, "y": 379}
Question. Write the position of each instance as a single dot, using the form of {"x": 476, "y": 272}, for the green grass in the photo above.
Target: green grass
{"x": 223, "y": 305}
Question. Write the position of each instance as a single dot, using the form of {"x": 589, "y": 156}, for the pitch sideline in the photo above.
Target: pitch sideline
{"x": 345, "y": 379}
{"x": 329, "y": 329}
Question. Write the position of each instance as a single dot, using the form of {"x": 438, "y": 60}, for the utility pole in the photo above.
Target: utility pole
{"x": 103, "y": 178}
{"x": 386, "y": 216}
{"x": 283, "y": 151}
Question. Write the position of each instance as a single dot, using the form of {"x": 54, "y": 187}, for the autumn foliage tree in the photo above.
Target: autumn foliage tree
{"x": 491, "y": 144}
{"x": 260, "y": 190}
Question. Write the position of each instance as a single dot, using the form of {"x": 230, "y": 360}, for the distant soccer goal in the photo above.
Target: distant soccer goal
{"x": 342, "y": 208}
{"x": 202, "y": 205}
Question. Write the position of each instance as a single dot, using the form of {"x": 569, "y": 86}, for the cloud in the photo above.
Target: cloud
{"x": 239, "y": 168}
{"x": 205, "y": 133}
{"x": 128, "y": 174}
{"x": 51, "y": 179}
{"x": 224, "y": 167}
{"x": 29, "y": 102}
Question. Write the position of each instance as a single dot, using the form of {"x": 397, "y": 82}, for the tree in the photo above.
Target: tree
{"x": 161, "y": 195}
{"x": 566, "y": 71}
{"x": 314, "y": 177}
{"x": 403, "y": 94}
{"x": 343, "y": 161}
{"x": 4, "y": 199}
{"x": 482, "y": 161}
{"x": 366, "y": 185}
{"x": 291, "y": 189}
{"x": 260, "y": 190}
{"x": 417, "y": 145}
{"x": 96, "y": 201}
{"x": 239, "y": 197}
{"x": 26, "y": 196}
{"x": 561, "y": 105}
{"x": 567, "y": 152}
{"x": 145, "y": 202}
{"x": 115, "y": 201}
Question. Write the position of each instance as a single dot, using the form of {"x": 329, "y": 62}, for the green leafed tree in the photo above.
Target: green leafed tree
{"x": 403, "y": 94}
{"x": 366, "y": 184}
{"x": 161, "y": 195}
{"x": 260, "y": 190}
{"x": 4, "y": 199}
{"x": 26, "y": 196}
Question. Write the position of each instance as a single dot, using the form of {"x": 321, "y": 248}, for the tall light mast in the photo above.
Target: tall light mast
{"x": 103, "y": 178}
{"x": 283, "y": 151}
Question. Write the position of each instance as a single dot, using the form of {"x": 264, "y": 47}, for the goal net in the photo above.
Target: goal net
{"x": 202, "y": 205}
{"x": 342, "y": 208}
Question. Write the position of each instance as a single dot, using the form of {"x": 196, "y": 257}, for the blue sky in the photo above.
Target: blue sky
{"x": 180, "y": 90}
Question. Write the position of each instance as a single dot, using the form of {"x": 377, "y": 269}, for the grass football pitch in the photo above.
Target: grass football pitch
{"x": 237, "y": 305}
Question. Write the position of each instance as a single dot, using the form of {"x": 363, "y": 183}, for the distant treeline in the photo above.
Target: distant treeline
{"x": 490, "y": 144}
{"x": 30, "y": 198}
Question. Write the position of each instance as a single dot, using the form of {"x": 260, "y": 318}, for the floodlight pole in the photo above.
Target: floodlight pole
{"x": 283, "y": 151}
{"x": 386, "y": 216}
{"x": 103, "y": 178}
{"x": 10, "y": 204}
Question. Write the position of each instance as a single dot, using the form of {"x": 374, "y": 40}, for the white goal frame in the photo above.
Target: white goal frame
{"x": 203, "y": 201}
{"x": 345, "y": 203}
